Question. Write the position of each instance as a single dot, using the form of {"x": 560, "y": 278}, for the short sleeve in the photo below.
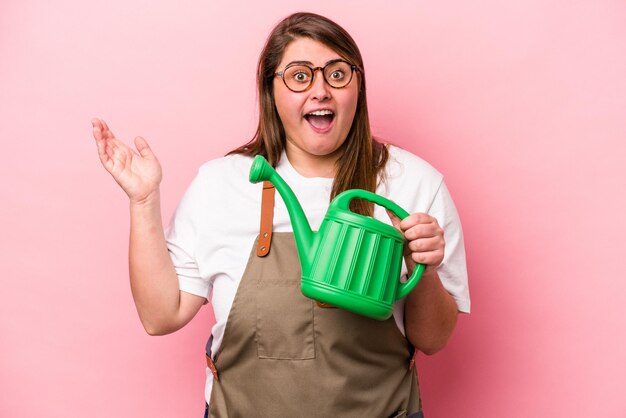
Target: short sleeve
{"x": 182, "y": 239}
{"x": 453, "y": 270}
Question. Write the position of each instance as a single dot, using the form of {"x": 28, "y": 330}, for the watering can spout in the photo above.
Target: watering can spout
{"x": 261, "y": 170}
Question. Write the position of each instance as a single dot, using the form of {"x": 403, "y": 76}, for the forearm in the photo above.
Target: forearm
{"x": 430, "y": 314}
{"x": 162, "y": 307}
{"x": 153, "y": 279}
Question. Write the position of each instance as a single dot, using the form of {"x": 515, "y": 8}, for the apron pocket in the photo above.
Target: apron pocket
{"x": 284, "y": 321}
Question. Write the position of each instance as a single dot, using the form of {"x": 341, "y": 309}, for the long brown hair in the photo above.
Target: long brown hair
{"x": 363, "y": 157}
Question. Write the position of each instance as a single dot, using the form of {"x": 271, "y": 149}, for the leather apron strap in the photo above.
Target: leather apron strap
{"x": 267, "y": 219}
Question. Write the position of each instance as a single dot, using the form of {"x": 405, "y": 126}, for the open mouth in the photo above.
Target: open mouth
{"x": 320, "y": 119}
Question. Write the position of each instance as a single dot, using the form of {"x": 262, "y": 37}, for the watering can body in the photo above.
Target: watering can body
{"x": 353, "y": 262}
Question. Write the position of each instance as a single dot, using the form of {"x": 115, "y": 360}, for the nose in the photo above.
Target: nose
{"x": 320, "y": 89}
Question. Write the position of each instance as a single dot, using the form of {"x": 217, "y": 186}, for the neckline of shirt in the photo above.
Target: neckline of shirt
{"x": 287, "y": 171}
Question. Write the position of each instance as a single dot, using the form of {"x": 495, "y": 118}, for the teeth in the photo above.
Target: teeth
{"x": 321, "y": 113}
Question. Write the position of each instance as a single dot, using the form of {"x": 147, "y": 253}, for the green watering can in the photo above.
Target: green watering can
{"x": 353, "y": 262}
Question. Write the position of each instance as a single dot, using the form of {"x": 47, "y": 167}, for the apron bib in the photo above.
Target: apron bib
{"x": 284, "y": 355}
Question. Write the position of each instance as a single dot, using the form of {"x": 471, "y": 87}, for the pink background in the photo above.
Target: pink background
{"x": 522, "y": 106}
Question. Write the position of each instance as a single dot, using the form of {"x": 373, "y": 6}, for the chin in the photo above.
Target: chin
{"x": 321, "y": 148}
{"x": 323, "y": 151}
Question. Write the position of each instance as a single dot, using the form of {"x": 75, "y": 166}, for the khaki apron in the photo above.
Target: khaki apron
{"x": 284, "y": 355}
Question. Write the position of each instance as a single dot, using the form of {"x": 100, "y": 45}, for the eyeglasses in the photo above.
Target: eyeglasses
{"x": 299, "y": 77}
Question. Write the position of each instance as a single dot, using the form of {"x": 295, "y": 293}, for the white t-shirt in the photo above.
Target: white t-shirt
{"x": 212, "y": 232}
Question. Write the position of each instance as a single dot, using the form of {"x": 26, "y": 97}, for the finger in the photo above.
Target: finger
{"x": 97, "y": 132}
{"x": 104, "y": 129}
{"x": 419, "y": 231}
{"x": 109, "y": 156}
{"x": 395, "y": 221}
{"x": 430, "y": 258}
{"x": 106, "y": 132}
{"x": 101, "y": 143}
{"x": 143, "y": 148}
{"x": 97, "y": 128}
{"x": 95, "y": 122}
{"x": 415, "y": 219}
{"x": 426, "y": 244}
{"x": 109, "y": 151}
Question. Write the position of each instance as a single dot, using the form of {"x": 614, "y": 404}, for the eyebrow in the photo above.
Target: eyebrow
{"x": 311, "y": 64}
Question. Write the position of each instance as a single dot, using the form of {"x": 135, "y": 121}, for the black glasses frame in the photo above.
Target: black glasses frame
{"x": 281, "y": 74}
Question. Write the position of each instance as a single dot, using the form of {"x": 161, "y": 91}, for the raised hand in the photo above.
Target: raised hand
{"x": 137, "y": 172}
{"x": 425, "y": 242}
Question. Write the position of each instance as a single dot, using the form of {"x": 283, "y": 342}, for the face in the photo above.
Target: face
{"x": 316, "y": 121}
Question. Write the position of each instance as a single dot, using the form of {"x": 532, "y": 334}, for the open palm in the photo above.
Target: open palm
{"x": 137, "y": 172}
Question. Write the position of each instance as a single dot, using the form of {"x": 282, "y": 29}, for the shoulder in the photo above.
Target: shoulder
{"x": 409, "y": 181}
{"x": 226, "y": 174}
{"x": 218, "y": 168}
{"x": 403, "y": 164}
{"x": 224, "y": 178}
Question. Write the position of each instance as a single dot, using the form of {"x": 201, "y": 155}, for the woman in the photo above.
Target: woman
{"x": 274, "y": 352}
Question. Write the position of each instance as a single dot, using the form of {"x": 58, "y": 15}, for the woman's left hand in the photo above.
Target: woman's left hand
{"x": 424, "y": 239}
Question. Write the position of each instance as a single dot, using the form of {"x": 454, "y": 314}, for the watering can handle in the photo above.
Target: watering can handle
{"x": 342, "y": 201}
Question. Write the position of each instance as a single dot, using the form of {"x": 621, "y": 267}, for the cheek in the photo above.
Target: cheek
{"x": 350, "y": 104}
{"x": 353, "y": 96}
{"x": 287, "y": 107}
{"x": 285, "y": 113}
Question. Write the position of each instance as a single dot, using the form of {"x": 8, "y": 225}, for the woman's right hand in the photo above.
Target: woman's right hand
{"x": 137, "y": 172}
